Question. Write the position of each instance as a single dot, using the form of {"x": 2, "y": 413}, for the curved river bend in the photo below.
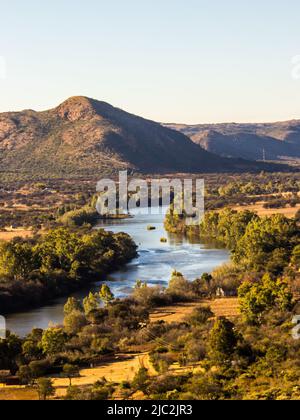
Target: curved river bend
{"x": 154, "y": 265}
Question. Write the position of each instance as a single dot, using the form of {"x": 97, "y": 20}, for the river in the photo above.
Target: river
{"x": 154, "y": 265}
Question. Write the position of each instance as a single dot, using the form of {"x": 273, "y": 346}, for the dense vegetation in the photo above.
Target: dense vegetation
{"x": 45, "y": 266}
{"x": 219, "y": 358}
{"x": 258, "y": 244}
{"x": 250, "y": 356}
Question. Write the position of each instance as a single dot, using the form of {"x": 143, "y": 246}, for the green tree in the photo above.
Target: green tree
{"x": 91, "y": 303}
{"x": 45, "y": 388}
{"x": 258, "y": 297}
{"x": 38, "y": 368}
{"x": 72, "y": 305}
{"x": 31, "y": 350}
{"x": 223, "y": 341}
{"x": 295, "y": 261}
{"x": 53, "y": 341}
{"x": 25, "y": 374}
{"x": 71, "y": 371}
{"x": 262, "y": 237}
{"x": 106, "y": 294}
{"x": 10, "y": 350}
{"x": 17, "y": 259}
{"x": 141, "y": 380}
{"x": 74, "y": 322}
{"x": 59, "y": 250}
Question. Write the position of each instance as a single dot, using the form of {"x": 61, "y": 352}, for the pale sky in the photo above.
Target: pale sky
{"x": 191, "y": 61}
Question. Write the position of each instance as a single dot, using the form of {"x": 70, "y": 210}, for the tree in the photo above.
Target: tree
{"x": 17, "y": 259}
{"x": 31, "y": 345}
{"x": 31, "y": 350}
{"x": 264, "y": 236}
{"x": 261, "y": 296}
{"x": 178, "y": 285}
{"x": 59, "y": 250}
{"x": 223, "y": 341}
{"x": 45, "y": 388}
{"x": 10, "y": 349}
{"x": 200, "y": 316}
{"x": 141, "y": 380}
{"x": 53, "y": 341}
{"x": 295, "y": 261}
{"x": 91, "y": 303}
{"x": 25, "y": 374}
{"x": 74, "y": 322}
{"x": 71, "y": 371}
{"x": 72, "y": 305}
{"x": 106, "y": 294}
{"x": 38, "y": 368}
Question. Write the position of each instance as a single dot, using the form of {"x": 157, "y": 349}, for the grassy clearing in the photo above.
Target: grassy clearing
{"x": 261, "y": 211}
{"x": 121, "y": 368}
{"x": 21, "y": 233}
{"x": 228, "y": 307}
{"x": 18, "y": 394}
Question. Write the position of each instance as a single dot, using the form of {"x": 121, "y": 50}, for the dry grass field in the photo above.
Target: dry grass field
{"x": 11, "y": 234}
{"x": 261, "y": 211}
{"x": 121, "y": 368}
{"x": 228, "y": 307}
{"x": 18, "y": 394}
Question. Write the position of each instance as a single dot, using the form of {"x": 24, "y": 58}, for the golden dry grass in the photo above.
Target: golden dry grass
{"x": 261, "y": 211}
{"x": 228, "y": 307}
{"x": 115, "y": 371}
{"x": 18, "y": 394}
{"x": 9, "y": 235}
{"x": 173, "y": 313}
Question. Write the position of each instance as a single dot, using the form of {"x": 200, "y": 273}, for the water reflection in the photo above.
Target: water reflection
{"x": 154, "y": 265}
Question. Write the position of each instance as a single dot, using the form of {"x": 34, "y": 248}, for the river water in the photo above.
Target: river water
{"x": 154, "y": 265}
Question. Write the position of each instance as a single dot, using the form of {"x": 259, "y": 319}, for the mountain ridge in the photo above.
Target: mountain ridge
{"x": 255, "y": 141}
{"x": 83, "y": 136}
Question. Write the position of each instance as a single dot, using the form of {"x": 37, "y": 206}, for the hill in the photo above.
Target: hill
{"x": 270, "y": 141}
{"x": 85, "y": 137}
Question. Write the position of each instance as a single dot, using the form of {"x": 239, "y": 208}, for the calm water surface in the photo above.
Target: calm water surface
{"x": 155, "y": 263}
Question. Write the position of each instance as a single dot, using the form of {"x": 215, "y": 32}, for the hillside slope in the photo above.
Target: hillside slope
{"x": 270, "y": 141}
{"x": 85, "y": 137}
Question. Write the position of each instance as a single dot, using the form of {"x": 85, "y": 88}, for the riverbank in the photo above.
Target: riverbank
{"x": 154, "y": 265}
{"x": 57, "y": 264}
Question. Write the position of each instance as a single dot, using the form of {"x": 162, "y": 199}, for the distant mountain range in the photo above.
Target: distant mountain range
{"x": 83, "y": 136}
{"x": 270, "y": 141}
